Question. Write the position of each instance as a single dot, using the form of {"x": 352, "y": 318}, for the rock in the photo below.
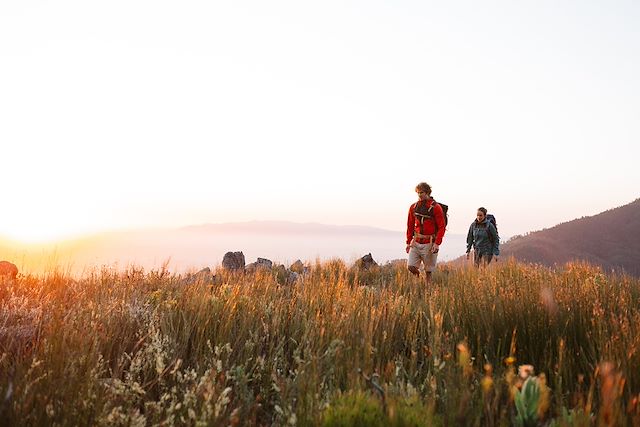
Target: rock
{"x": 8, "y": 270}
{"x": 261, "y": 263}
{"x": 292, "y": 277}
{"x": 205, "y": 271}
{"x": 233, "y": 261}
{"x": 203, "y": 276}
{"x": 281, "y": 273}
{"x": 366, "y": 262}
{"x": 297, "y": 267}
{"x": 285, "y": 276}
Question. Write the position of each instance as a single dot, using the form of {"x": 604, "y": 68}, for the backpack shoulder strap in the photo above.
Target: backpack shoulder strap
{"x": 433, "y": 205}
{"x": 489, "y": 235}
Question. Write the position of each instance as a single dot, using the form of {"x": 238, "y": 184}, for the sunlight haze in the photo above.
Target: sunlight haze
{"x": 138, "y": 114}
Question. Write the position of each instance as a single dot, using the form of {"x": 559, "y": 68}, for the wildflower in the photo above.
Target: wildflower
{"x": 487, "y": 380}
{"x": 525, "y": 371}
{"x": 464, "y": 359}
{"x": 510, "y": 361}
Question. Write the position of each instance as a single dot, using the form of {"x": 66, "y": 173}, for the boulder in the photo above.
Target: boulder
{"x": 297, "y": 267}
{"x": 281, "y": 273}
{"x": 8, "y": 270}
{"x": 292, "y": 277}
{"x": 204, "y": 272}
{"x": 366, "y": 262}
{"x": 285, "y": 276}
{"x": 202, "y": 276}
{"x": 233, "y": 261}
{"x": 261, "y": 263}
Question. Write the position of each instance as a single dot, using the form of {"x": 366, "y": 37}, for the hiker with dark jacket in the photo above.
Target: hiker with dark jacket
{"x": 483, "y": 236}
{"x": 425, "y": 230}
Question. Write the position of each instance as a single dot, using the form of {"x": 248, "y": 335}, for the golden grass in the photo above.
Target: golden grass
{"x": 146, "y": 348}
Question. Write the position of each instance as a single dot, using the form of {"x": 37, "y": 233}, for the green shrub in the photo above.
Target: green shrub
{"x": 362, "y": 409}
{"x": 355, "y": 409}
{"x": 413, "y": 413}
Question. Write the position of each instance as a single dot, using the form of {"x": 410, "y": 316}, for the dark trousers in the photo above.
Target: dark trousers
{"x": 483, "y": 258}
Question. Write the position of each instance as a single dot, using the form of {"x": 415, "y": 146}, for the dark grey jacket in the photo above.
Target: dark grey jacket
{"x": 483, "y": 237}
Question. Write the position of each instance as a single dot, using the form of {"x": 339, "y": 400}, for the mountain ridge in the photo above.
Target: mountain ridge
{"x": 609, "y": 239}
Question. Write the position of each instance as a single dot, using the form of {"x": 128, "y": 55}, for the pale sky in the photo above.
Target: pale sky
{"x": 127, "y": 114}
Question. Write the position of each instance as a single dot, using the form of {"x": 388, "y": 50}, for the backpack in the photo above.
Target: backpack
{"x": 492, "y": 219}
{"x": 422, "y": 213}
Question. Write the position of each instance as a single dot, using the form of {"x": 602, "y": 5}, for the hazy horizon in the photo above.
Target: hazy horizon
{"x": 195, "y": 247}
{"x": 157, "y": 114}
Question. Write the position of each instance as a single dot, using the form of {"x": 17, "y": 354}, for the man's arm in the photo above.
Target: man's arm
{"x": 411, "y": 222}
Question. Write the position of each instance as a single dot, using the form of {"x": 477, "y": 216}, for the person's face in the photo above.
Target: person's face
{"x": 422, "y": 195}
{"x": 480, "y": 216}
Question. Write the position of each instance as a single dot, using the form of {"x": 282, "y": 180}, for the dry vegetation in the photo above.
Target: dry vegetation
{"x": 339, "y": 347}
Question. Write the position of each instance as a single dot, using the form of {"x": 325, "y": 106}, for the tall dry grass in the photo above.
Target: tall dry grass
{"x": 147, "y": 348}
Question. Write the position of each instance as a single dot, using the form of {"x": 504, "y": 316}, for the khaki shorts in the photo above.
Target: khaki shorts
{"x": 421, "y": 252}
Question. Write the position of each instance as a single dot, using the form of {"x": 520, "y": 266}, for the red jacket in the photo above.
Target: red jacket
{"x": 429, "y": 226}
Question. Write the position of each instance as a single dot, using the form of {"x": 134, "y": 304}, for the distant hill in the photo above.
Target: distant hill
{"x": 610, "y": 239}
{"x": 285, "y": 227}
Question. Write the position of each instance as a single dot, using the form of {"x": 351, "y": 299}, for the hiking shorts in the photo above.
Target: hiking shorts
{"x": 421, "y": 252}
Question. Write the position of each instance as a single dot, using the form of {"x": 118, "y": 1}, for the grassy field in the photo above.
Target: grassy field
{"x": 338, "y": 347}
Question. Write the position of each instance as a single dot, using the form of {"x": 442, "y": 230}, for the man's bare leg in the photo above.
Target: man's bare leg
{"x": 414, "y": 270}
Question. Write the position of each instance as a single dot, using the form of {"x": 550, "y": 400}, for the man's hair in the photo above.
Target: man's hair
{"x": 483, "y": 210}
{"x": 423, "y": 186}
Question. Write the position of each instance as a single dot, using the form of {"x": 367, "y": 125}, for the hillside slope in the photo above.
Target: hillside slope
{"x": 610, "y": 239}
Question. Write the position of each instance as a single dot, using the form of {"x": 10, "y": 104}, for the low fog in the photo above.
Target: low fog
{"x": 192, "y": 248}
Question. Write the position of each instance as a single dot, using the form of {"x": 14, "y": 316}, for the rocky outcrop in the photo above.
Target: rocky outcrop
{"x": 203, "y": 276}
{"x": 261, "y": 263}
{"x": 8, "y": 270}
{"x": 204, "y": 272}
{"x": 366, "y": 262}
{"x": 233, "y": 261}
{"x": 297, "y": 267}
{"x": 264, "y": 262}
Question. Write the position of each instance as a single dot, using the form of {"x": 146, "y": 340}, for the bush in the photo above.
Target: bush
{"x": 362, "y": 409}
{"x": 355, "y": 409}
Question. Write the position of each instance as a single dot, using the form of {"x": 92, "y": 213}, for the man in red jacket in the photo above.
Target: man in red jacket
{"x": 425, "y": 230}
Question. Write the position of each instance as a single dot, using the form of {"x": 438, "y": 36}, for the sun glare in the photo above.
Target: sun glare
{"x": 33, "y": 232}
{"x": 35, "y": 236}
